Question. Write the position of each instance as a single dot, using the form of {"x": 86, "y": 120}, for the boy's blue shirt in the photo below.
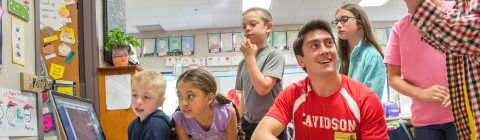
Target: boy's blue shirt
{"x": 366, "y": 66}
{"x": 155, "y": 127}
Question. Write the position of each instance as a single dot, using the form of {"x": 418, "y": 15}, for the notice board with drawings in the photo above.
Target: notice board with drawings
{"x": 58, "y": 39}
{"x": 18, "y": 115}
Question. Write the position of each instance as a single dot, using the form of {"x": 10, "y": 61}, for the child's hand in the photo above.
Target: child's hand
{"x": 446, "y": 103}
{"x": 248, "y": 49}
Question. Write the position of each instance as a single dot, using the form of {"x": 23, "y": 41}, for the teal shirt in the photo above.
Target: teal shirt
{"x": 366, "y": 66}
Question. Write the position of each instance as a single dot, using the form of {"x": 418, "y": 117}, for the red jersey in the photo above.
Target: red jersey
{"x": 353, "y": 112}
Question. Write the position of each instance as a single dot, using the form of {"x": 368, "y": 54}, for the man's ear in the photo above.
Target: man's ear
{"x": 300, "y": 61}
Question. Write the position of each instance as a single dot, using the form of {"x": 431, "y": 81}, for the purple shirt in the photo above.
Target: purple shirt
{"x": 221, "y": 118}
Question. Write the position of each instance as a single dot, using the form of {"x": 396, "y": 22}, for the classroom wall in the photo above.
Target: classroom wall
{"x": 10, "y": 74}
{"x": 201, "y": 43}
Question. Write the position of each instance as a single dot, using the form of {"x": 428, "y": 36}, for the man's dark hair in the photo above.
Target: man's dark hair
{"x": 310, "y": 26}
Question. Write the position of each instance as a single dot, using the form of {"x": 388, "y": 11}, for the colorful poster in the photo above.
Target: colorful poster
{"x": 292, "y": 35}
{"x": 175, "y": 46}
{"x": 237, "y": 41}
{"x": 214, "y": 43}
{"x": 148, "y": 47}
{"x": 188, "y": 44}
{"x": 280, "y": 39}
{"x": 227, "y": 42}
{"x": 18, "y": 115}
{"x": 18, "y": 41}
{"x": 162, "y": 46}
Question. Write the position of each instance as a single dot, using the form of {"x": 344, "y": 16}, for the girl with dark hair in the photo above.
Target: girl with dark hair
{"x": 203, "y": 113}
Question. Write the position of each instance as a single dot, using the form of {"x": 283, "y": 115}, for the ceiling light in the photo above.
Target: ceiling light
{"x": 256, "y": 3}
{"x": 366, "y": 3}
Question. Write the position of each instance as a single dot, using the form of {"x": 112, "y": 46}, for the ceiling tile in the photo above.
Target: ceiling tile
{"x": 226, "y": 7}
{"x": 338, "y": 3}
{"x": 138, "y": 12}
{"x": 134, "y": 4}
{"x": 199, "y": 18}
{"x": 171, "y": 19}
{"x": 143, "y": 21}
{"x": 131, "y": 29}
{"x": 283, "y": 13}
{"x": 330, "y": 12}
{"x": 381, "y": 17}
{"x": 196, "y": 9}
{"x": 303, "y": 20}
{"x": 371, "y": 10}
{"x": 395, "y": 3}
{"x": 287, "y": 4}
{"x": 283, "y": 21}
{"x": 225, "y": 24}
{"x": 149, "y": 28}
{"x": 201, "y": 25}
{"x": 159, "y": 3}
{"x": 165, "y": 11}
{"x": 225, "y": 1}
{"x": 191, "y": 2}
{"x": 310, "y": 12}
{"x": 174, "y": 27}
{"x": 392, "y": 10}
{"x": 312, "y": 4}
{"x": 227, "y": 16}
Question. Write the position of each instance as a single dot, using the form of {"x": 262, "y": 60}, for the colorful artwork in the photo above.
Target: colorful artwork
{"x": 382, "y": 37}
{"x": 148, "y": 47}
{"x": 227, "y": 42}
{"x": 280, "y": 39}
{"x": 18, "y": 115}
{"x": 237, "y": 41}
{"x": 292, "y": 35}
{"x": 214, "y": 43}
{"x": 162, "y": 46}
{"x": 18, "y": 41}
{"x": 188, "y": 44}
{"x": 175, "y": 46}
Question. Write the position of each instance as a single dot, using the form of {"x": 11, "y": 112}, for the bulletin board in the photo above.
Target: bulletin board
{"x": 59, "y": 39}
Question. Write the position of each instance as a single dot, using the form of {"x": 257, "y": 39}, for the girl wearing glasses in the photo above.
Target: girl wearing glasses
{"x": 359, "y": 53}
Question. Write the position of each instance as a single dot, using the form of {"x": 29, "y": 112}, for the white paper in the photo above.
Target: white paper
{"x": 118, "y": 90}
{"x": 4, "y": 138}
{"x": 236, "y": 60}
{"x": 19, "y": 113}
{"x": 49, "y": 14}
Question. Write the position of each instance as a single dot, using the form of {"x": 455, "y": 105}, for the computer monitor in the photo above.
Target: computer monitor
{"x": 78, "y": 117}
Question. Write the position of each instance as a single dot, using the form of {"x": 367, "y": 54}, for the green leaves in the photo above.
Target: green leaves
{"x": 117, "y": 37}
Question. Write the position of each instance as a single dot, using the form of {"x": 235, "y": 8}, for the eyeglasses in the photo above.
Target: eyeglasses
{"x": 343, "y": 20}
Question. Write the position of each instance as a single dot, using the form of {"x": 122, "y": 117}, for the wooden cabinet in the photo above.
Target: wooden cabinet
{"x": 114, "y": 122}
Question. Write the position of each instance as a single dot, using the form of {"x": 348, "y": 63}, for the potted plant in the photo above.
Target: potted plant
{"x": 118, "y": 43}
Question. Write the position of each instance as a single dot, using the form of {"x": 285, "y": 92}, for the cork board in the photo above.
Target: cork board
{"x": 59, "y": 39}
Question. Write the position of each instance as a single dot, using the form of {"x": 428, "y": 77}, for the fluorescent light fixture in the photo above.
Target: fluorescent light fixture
{"x": 256, "y": 3}
{"x": 366, "y": 3}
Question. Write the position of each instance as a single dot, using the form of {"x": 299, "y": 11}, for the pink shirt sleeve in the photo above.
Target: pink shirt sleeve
{"x": 392, "y": 52}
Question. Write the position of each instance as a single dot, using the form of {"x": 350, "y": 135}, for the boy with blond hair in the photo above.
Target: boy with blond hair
{"x": 148, "y": 94}
{"x": 260, "y": 73}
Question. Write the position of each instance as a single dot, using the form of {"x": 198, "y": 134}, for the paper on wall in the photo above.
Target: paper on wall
{"x": 54, "y": 14}
{"x": 118, "y": 91}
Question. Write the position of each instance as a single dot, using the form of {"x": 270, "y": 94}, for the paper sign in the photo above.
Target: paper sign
{"x": 50, "y": 56}
{"x": 50, "y": 39}
{"x": 67, "y": 35}
{"x": 45, "y": 110}
{"x": 50, "y": 138}
{"x": 52, "y": 12}
{"x": 118, "y": 89}
{"x": 65, "y": 90}
{"x": 56, "y": 71}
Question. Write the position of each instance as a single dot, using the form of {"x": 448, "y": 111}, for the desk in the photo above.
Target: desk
{"x": 406, "y": 118}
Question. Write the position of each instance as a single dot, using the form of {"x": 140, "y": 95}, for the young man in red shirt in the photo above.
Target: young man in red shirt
{"x": 326, "y": 104}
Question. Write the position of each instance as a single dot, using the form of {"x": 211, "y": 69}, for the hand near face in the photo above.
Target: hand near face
{"x": 248, "y": 49}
